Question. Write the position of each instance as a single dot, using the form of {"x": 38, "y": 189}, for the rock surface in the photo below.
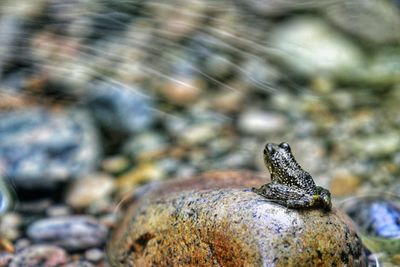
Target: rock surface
{"x": 230, "y": 226}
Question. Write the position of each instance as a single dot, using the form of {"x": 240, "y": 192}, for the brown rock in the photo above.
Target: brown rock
{"x": 344, "y": 183}
{"x": 216, "y": 220}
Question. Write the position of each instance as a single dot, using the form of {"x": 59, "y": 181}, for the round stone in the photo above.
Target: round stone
{"x": 72, "y": 233}
{"x": 230, "y": 225}
{"x": 40, "y": 148}
{"x": 89, "y": 189}
{"x": 39, "y": 255}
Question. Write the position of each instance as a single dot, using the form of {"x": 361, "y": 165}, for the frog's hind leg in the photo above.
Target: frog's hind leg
{"x": 288, "y": 196}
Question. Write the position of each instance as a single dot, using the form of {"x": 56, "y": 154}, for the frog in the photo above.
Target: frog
{"x": 290, "y": 185}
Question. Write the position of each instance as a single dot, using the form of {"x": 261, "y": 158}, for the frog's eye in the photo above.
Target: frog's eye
{"x": 270, "y": 148}
{"x": 285, "y": 146}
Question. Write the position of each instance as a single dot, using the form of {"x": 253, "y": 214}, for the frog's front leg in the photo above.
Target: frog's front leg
{"x": 289, "y": 196}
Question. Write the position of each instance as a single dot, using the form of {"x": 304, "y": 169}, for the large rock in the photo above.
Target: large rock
{"x": 308, "y": 46}
{"x": 375, "y": 21}
{"x": 185, "y": 222}
{"x": 40, "y": 148}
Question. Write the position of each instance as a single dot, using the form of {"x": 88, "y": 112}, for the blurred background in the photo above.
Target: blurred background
{"x": 98, "y": 97}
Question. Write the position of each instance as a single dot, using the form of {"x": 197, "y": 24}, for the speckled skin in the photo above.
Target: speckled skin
{"x": 290, "y": 185}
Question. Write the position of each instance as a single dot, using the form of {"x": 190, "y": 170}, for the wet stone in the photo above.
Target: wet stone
{"x": 39, "y": 255}
{"x": 187, "y": 223}
{"x": 72, "y": 233}
{"x": 261, "y": 122}
{"x": 78, "y": 264}
{"x": 89, "y": 189}
{"x": 5, "y": 259}
{"x": 119, "y": 107}
{"x": 374, "y": 21}
{"x": 307, "y": 39}
{"x": 6, "y": 196}
{"x": 376, "y": 216}
{"x": 94, "y": 255}
{"x": 40, "y": 148}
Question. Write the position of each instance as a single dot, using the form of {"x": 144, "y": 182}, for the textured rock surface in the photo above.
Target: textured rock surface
{"x": 230, "y": 227}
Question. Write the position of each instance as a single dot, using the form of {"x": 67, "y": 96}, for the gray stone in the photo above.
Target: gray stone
{"x": 119, "y": 107}
{"x": 261, "y": 122}
{"x": 89, "y": 189}
{"x": 41, "y": 147}
{"x": 376, "y": 21}
{"x": 72, "y": 233}
{"x": 308, "y": 46}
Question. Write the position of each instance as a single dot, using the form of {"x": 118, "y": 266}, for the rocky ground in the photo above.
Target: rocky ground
{"x": 98, "y": 98}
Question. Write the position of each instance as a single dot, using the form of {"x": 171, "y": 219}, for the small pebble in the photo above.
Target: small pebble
{"x": 115, "y": 164}
{"x": 94, "y": 254}
{"x": 39, "y": 255}
{"x": 89, "y": 189}
{"x": 5, "y": 259}
{"x": 58, "y": 211}
{"x": 261, "y": 122}
{"x": 71, "y": 233}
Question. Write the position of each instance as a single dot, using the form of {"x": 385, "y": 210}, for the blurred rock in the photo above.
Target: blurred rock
{"x": 142, "y": 173}
{"x": 384, "y": 68}
{"x": 182, "y": 22}
{"x": 94, "y": 255}
{"x": 9, "y": 226}
{"x": 6, "y": 196}
{"x": 228, "y": 101}
{"x": 5, "y": 259}
{"x": 72, "y": 232}
{"x": 375, "y": 21}
{"x": 40, "y": 148}
{"x": 115, "y": 164}
{"x": 276, "y": 7}
{"x": 89, "y": 189}
{"x": 78, "y": 263}
{"x": 261, "y": 123}
{"x": 59, "y": 210}
{"x": 376, "y": 216}
{"x": 259, "y": 74}
{"x": 120, "y": 108}
{"x": 377, "y": 145}
{"x": 39, "y": 255}
{"x": 344, "y": 183}
{"x": 200, "y": 121}
{"x": 144, "y": 145}
{"x": 182, "y": 90}
{"x": 309, "y": 46}
{"x": 180, "y": 222}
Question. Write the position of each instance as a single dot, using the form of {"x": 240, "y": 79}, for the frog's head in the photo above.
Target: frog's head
{"x": 277, "y": 156}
